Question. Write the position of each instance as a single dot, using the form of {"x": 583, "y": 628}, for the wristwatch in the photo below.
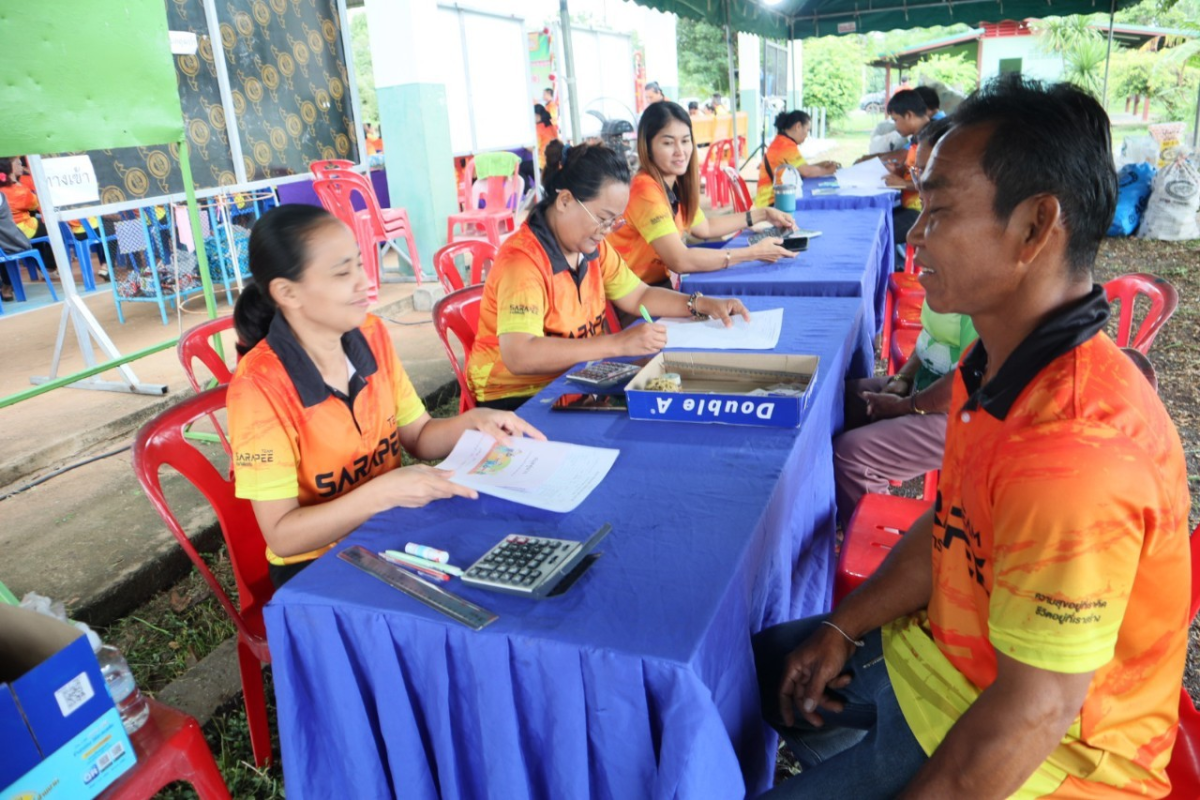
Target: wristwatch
{"x": 749, "y": 219}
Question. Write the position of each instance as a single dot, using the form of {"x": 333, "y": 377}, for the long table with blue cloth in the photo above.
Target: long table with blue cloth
{"x": 637, "y": 682}
{"x": 824, "y": 193}
{"x": 852, "y": 257}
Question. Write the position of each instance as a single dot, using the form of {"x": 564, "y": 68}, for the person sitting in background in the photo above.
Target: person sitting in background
{"x": 932, "y": 102}
{"x": 693, "y": 108}
{"x": 791, "y": 130}
{"x": 23, "y": 204}
{"x": 551, "y": 104}
{"x": 895, "y": 427}
{"x": 716, "y": 106}
{"x": 664, "y": 204}
{"x": 653, "y": 93}
{"x": 910, "y": 116}
{"x": 547, "y": 131}
{"x": 320, "y": 407}
{"x": 373, "y": 140}
{"x": 12, "y": 240}
{"x": 1027, "y": 636}
{"x": 545, "y": 297}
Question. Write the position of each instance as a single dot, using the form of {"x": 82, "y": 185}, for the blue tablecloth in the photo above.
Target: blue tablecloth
{"x": 852, "y": 257}
{"x": 885, "y": 198}
{"x": 637, "y": 683}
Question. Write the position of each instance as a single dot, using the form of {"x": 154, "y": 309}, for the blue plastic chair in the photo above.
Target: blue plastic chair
{"x": 13, "y": 264}
{"x": 82, "y": 250}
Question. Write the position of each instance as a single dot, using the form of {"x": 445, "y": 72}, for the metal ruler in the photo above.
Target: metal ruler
{"x": 439, "y": 599}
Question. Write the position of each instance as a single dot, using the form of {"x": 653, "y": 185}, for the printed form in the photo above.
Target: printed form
{"x": 760, "y": 333}
{"x": 555, "y": 476}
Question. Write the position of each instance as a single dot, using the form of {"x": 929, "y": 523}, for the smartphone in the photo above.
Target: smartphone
{"x": 797, "y": 244}
{"x": 590, "y": 402}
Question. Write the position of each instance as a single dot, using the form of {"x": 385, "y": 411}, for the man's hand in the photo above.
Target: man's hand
{"x": 811, "y": 670}
{"x": 885, "y": 405}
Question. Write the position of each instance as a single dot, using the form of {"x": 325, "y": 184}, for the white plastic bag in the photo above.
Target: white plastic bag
{"x": 884, "y": 139}
{"x": 1138, "y": 149}
{"x": 1174, "y": 202}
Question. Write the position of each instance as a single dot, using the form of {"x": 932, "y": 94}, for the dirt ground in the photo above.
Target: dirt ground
{"x": 1176, "y": 358}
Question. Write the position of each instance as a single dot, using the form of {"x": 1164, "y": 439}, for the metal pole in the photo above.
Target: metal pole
{"x": 733, "y": 88}
{"x": 569, "y": 56}
{"x": 1196, "y": 126}
{"x": 1112, "y": 12}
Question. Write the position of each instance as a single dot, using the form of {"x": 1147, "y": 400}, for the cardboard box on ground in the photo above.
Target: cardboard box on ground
{"x": 63, "y": 737}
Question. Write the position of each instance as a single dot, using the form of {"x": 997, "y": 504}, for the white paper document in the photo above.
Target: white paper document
{"x": 555, "y": 476}
{"x": 867, "y": 174}
{"x": 760, "y": 333}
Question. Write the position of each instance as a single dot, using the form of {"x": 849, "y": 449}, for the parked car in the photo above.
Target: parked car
{"x": 872, "y": 102}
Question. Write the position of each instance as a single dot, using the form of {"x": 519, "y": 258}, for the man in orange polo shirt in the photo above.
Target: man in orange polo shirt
{"x": 1027, "y": 636}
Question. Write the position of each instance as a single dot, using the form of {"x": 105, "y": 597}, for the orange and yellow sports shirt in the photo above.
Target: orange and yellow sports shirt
{"x": 1060, "y": 540}
{"x": 910, "y": 198}
{"x": 652, "y": 213}
{"x": 294, "y": 436}
{"x": 531, "y": 289}
{"x": 23, "y": 203}
{"x": 782, "y": 150}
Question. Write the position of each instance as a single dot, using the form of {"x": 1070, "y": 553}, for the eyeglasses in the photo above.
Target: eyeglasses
{"x": 614, "y": 224}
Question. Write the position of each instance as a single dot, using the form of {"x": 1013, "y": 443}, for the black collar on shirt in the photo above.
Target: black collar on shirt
{"x": 1056, "y": 336}
{"x": 304, "y": 373}
{"x": 558, "y": 262}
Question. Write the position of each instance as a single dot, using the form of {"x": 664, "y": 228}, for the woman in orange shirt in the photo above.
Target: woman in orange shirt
{"x": 664, "y": 204}
{"x": 22, "y": 202}
{"x": 547, "y": 131}
{"x": 791, "y": 131}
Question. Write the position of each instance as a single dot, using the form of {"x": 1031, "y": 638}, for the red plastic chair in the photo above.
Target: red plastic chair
{"x": 903, "y": 290}
{"x": 458, "y": 312}
{"x": 320, "y": 169}
{"x": 742, "y": 202}
{"x": 1184, "y": 769}
{"x": 904, "y": 341}
{"x": 161, "y": 442}
{"x": 878, "y": 523}
{"x": 719, "y": 152}
{"x": 387, "y": 225}
{"x": 496, "y": 219}
{"x": 480, "y": 256}
{"x": 196, "y": 344}
{"x": 1163, "y": 301}
{"x": 170, "y": 747}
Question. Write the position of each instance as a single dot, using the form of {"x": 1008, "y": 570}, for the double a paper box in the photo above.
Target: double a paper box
{"x": 62, "y": 736}
{"x": 769, "y": 390}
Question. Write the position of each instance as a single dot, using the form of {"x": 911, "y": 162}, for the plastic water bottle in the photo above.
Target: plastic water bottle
{"x": 131, "y": 704}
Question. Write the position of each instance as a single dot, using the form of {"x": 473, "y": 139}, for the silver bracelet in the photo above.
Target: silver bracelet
{"x": 846, "y": 636}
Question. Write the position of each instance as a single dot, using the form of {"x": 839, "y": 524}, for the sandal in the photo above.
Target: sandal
{"x": 6, "y": 294}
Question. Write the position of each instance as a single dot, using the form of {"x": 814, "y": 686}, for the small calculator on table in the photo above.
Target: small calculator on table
{"x": 532, "y": 566}
{"x": 603, "y": 374}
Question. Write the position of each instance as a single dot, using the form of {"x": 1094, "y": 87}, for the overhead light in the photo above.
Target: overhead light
{"x": 770, "y": 2}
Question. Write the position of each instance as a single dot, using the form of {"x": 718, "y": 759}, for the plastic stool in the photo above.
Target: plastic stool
{"x": 878, "y": 522}
{"x": 170, "y": 747}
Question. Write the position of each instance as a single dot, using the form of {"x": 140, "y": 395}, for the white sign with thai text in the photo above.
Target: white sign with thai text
{"x": 71, "y": 180}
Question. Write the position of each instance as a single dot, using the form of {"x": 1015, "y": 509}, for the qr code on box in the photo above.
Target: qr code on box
{"x": 74, "y": 693}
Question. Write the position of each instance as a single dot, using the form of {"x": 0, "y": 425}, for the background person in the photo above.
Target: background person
{"x": 653, "y": 93}
{"x": 545, "y": 297}
{"x": 933, "y": 102}
{"x": 550, "y": 103}
{"x": 1027, "y": 636}
{"x": 23, "y": 203}
{"x": 791, "y": 129}
{"x": 547, "y": 131}
{"x": 319, "y": 406}
{"x": 664, "y": 204}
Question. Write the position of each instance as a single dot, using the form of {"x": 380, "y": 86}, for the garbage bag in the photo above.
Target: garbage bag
{"x": 1136, "y": 181}
{"x": 1171, "y": 212}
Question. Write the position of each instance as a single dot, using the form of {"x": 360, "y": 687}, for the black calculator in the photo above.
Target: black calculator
{"x": 603, "y": 374}
{"x": 532, "y": 566}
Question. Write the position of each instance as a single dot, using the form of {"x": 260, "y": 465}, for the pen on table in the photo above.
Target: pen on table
{"x": 417, "y": 561}
{"x": 645, "y": 314}
{"x": 425, "y": 572}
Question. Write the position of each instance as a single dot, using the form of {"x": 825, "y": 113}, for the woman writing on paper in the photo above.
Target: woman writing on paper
{"x": 320, "y": 406}
{"x": 664, "y": 204}
{"x": 791, "y": 130}
{"x": 544, "y": 299}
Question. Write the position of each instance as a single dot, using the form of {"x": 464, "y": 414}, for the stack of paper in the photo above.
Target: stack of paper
{"x": 760, "y": 333}
{"x": 867, "y": 174}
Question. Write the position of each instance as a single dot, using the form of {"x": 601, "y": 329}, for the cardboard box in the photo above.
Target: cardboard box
{"x": 63, "y": 737}
{"x": 725, "y": 387}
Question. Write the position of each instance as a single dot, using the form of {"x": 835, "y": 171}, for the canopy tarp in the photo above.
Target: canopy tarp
{"x": 799, "y": 19}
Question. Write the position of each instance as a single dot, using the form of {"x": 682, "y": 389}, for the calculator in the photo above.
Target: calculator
{"x": 772, "y": 232}
{"x": 531, "y": 566}
{"x": 603, "y": 374}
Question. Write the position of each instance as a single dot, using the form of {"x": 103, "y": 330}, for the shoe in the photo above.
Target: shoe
{"x": 6, "y": 294}
{"x": 104, "y": 276}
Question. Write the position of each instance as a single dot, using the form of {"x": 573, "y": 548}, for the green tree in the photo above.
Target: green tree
{"x": 364, "y": 72}
{"x": 833, "y": 74}
{"x": 1129, "y": 74}
{"x": 954, "y": 71}
{"x": 703, "y": 58}
{"x": 1082, "y": 48}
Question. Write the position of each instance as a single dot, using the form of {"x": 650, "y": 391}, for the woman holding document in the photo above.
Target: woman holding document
{"x": 320, "y": 406}
{"x": 544, "y": 299}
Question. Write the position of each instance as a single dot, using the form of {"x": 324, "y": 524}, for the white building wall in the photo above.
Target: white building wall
{"x": 1034, "y": 63}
